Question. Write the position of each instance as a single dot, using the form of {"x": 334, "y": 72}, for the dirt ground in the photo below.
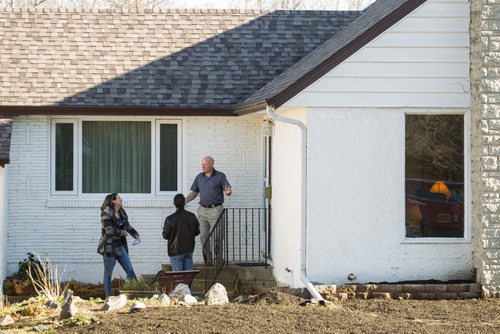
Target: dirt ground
{"x": 277, "y": 311}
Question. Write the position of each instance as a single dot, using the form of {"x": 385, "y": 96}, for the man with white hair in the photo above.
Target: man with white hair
{"x": 211, "y": 184}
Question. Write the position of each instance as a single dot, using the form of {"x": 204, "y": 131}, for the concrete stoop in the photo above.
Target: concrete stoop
{"x": 400, "y": 291}
{"x": 236, "y": 279}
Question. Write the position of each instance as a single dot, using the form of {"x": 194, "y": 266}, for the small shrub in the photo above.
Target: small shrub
{"x": 79, "y": 319}
{"x": 133, "y": 285}
{"x": 7, "y": 286}
{"x": 46, "y": 278}
{"x": 29, "y": 264}
{"x": 30, "y": 310}
{"x": 93, "y": 300}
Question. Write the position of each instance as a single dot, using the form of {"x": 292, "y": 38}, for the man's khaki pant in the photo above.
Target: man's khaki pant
{"x": 207, "y": 218}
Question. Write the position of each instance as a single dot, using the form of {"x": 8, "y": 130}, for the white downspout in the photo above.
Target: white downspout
{"x": 303, "y": 199}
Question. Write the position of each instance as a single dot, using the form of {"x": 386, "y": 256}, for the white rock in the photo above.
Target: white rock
{"x": 6, "y": 320}
{"x": 184, "y": 304}
{"x": 137, "y": 306}
{"x": 114, "y": 303}
{"x": 190, "y": 299}
{"x": 240, "y": 299}
{"x": 164, "y": 299}
{"x": 40, "y": 328}
{"x": 180, "y": 291}
{"x": 216, "y": 295}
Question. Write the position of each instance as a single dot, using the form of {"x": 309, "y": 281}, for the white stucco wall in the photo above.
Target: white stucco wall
{"x": 356, "y": 208}
{"x": 67, "y": 228}
{"x": 355, "y": 203}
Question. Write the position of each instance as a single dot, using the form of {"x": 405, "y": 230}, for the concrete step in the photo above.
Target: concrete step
{"x": 235, "y": 287}
{"x": 236, "y": 279}
{"x": 235, "y": 271}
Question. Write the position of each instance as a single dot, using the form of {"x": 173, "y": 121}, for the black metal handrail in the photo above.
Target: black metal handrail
{"x": 215, "y": 250}
{"x": 239, "y": 236}
{"x": 248, "y": 236}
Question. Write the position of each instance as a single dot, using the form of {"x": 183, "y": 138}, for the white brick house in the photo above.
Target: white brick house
{"x": 355, "y": 188}
{"x": 65, "y": 225}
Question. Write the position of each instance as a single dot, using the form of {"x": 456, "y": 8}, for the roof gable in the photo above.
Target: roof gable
{"x": 376, "y": 19}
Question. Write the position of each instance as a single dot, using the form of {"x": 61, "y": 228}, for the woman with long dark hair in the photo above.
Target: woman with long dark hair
{"x": 113, "y": 243}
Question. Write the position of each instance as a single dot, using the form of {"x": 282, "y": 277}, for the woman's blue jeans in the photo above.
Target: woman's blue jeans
{"x": 109, "y": 264}
{"x": 182, "y": 262}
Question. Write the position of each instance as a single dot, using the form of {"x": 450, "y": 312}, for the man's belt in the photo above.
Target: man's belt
{"x": 211, "y": 205}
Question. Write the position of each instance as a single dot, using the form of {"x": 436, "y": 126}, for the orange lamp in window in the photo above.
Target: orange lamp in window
{"x": 440, "y": 187}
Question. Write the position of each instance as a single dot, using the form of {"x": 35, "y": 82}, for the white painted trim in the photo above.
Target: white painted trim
{"x": 467, "y": 178}
{"x": 96, "y": 202}
{"x": 76, "y": 151}
{"x": 77, "y": 198}
{"x": 156, "y": 155}
{"x": 183, "y": 159}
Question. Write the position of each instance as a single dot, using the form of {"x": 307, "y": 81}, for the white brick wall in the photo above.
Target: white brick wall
{"x": 67, "y": 229}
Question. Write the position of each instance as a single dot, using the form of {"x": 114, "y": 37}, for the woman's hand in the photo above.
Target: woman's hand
{"x": 136, "y": 241}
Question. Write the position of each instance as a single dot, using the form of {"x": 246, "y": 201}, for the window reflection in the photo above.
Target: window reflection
{"x": 434, "y": 176}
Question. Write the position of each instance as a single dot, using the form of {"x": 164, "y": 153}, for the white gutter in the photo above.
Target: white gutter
{"x": 303, "y": 199}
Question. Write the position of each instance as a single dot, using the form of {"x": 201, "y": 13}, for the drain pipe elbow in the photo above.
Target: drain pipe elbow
{"x": 303, "y": 200}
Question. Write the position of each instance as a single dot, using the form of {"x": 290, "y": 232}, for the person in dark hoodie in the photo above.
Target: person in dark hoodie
{"x": 180, "y": 229}
{"x": 113, "y": 242}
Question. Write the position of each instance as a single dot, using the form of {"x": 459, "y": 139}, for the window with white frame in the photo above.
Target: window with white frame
{"x": 435, "y": 169}
{"x": 64, "y": 157}
{"x": 103, "y": 156}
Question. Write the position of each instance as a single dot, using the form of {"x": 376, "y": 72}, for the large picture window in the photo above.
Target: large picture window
{"x": 115, "y": 156}
{"x": 434, "y": 167}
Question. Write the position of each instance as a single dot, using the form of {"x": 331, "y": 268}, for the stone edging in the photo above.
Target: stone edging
{"x": 400, "y": 291}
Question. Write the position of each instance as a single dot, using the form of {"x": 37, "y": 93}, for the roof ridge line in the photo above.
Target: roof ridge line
{"x": 82, "y": 10}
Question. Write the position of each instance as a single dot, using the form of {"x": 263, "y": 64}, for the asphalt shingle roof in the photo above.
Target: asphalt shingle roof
{"x": 177, "y": 58}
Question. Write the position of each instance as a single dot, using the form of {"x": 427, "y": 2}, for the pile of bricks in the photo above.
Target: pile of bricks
{"x": 400, "y": 291}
